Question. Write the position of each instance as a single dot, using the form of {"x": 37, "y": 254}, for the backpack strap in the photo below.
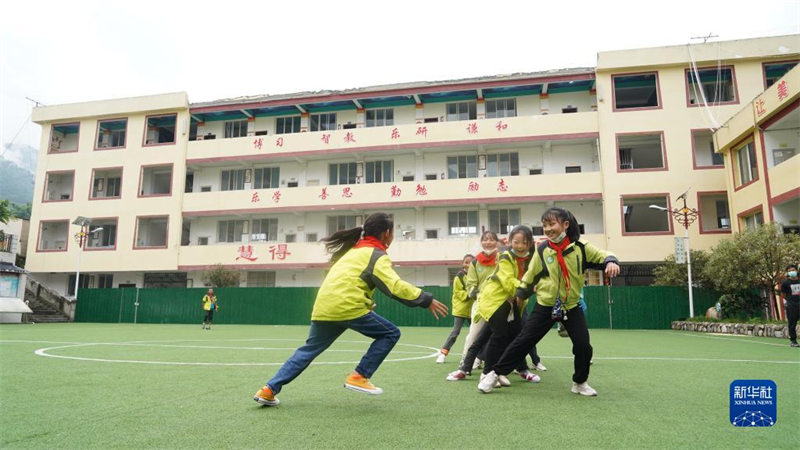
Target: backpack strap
{"x": 544, "y": 272}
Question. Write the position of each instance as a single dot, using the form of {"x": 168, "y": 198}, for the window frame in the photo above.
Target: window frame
{"x": 468, "y": 212}
{"x": 375, "y": 120}
{"x": 736, "y": 164}
{"x": 116, "y": 234}
{"x": 382, "y": 171}
{"x": 458, "y": 166}
{"x": 346, "y": 217}
{"x": 764, "y": 70}
{"x": 53, "y": 126}
{"x": 472, "y": 106}
{"x": 746, "y": 214}
{"x": 339, "y": 173}
{"x": 670, "y": 229}
{"x": 47, "y": 183}
{"x": 507, "y": 211}
{"x": 660, "y": 99}
{"x": 269, "y": 237}
{"x": 274, "y": 172}
{"x": 39, "y": 236}
{"x": 237, "y": 237}
{"x": 284, "y": 119}
{"x": 222, "y": 173}
{"x": 141, "y": 180}
{"x": 699, "y": 203}
{"x": 497, "y": 163}
{"x": 97, "y": 135}
{"x": 136, "y": 232}
{"x": 234, "y": 125}
{"x": 160, "y": 144}
{"x": 495, "y": 100}
{"x": 92, "y": 178}
{"x": 664, "y": 162}
{"x": 328, "y": 125}
{"x": 695, "y": 166}
{"x": 688, "y": 88}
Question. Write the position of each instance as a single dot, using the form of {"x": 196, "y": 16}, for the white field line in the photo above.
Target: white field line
{"x": 726, "y": 337}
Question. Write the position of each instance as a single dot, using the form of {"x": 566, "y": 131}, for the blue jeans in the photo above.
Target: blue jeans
{"x": 323, "y": 333}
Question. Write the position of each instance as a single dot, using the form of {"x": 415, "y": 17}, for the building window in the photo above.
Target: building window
{"x": 753, "y": 221}
{"x": 635, "y": 91}
{"x": 286, "y": 125}
{"x": 638, "y": 217}
{"x": 380, "y": 171}
{"x": 230, "y": 230}
{"x": 103, "y": 234}
{"x": 339, "y": 223}
{"x": 716, "y": 86}
{"x": 58, "y": 186}
{"x": 380, "y": 117}
{"x": 106, "y": 183}
{"x": 462, "y": 222}
{"x": 342, "y": 173}
{"x": 323, "y": 122}
{"x": 160, "y": 129}
{"x": 232, "y": 180}
{"x": 105, "y": 280}
{"x": 431, "y": 234}
{"x": 264, "y": 230}
{"x": 503, "y": 220}
{"x": 502, "y": 165}
{"x": 155, "y": 180}
{"x": 151, "y": 232}
{"x": 464, "y": 166}
{"x": 53, "y": 235}
{"x": 713, "y": 211}
{"x": 236, "y": 128}
{"x": 640, "y": 151}
{"x": 311, "y": 237}
{"x": 266, "y": 177}
{"x": 746, "y": 162}
{"x": 780, "y": 155}
{"x": 462, "y": 111}
{"x": 260, "y": 279}
{"x": 64, "y": 138}
{"x": 703, "y": 146}
{"x": 774, "y": 71}
{"x": 111, "y": 133}
{"x": 572, "y": 169}
{"x": 504, "y": 107}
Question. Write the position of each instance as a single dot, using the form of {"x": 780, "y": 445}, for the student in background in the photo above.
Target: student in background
{"x": 791, "y": 296}
{"x": 209, "y": 306}
{"x": 462, "y": 305}
{"x": 344, "y": 301}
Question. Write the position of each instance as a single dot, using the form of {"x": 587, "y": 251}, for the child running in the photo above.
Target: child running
{"x": 462, "y": 305}
{"x": 558, "y": 275}
{"x": 478, "y": 272}
{"x": 344, "y": 300}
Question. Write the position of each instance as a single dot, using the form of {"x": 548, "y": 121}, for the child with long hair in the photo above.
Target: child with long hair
{"x": 344, "y": 301}
{"x": 462, "y": 305}
{"x": 557, "y": 273}
{"x": 479, "y": 271}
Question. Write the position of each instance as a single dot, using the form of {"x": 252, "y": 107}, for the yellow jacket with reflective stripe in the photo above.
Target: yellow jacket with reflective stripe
{"x": 500, "y": 286}
{"x": 346, "y": 293}
{"x": 462, "y": 305}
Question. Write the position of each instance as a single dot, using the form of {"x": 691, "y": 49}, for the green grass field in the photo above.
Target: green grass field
{"x": 177, "y": 386}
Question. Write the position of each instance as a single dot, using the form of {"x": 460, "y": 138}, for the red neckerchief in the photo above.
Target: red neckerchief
{"x": 522, "y": 264}
{"x": 487, "y": 260}
{"x": 370, "y": 241}
{"x": 559, "y": 248}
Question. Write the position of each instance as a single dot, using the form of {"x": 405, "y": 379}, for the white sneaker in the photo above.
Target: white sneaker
{"x": 488, "y": 382}
{"x": 530, "y": 376}
{"x": 440, "y": 358}
{"x": 583, "y": 389}
{"x": 456, "y": 376}
{"x": 541, "y": 367}
{"x": 503, "y": 380}
{"x": 477, "y": 364}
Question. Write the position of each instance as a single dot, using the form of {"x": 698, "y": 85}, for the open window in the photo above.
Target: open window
{"x": 639, "y": 218}
{"x": 746, "y": 165}
{"x": 751, "y": 219}
{"x": 636, "y": 91}
{"x": 462, "y": 222}
{"x": 64, "y": 138}
{"x": 781, "y": 136}
{"x": 111, "y": 134}
{"x": 106, "y": 183}
{"x": 703, "y": 148}
{"x": 155, "y": 181}
{"x": 713, "y": 212}
{"x": 53, "y": 236}
{"x": 714, "y": 85}
{"x": 462, "y": 111}
{"x": 160, "y": 130}
{"x": 151, "y": 232}
{"x": 641, "y": 151}
{"x": 235, "y": 128}
{"x": 774, "y": 71}
{"x": 102, "y": 234}
{"x": 58, "y": 186}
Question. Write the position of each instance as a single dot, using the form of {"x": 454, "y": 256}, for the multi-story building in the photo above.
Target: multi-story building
{"x": 253, "y": 183}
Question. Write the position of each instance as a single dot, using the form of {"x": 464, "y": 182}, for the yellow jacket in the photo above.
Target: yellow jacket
{"x": 346, "y": 293}
{"x": 501, "y": 285}
{"x": 207, "y": 301}
{"x": 462, "y": 304}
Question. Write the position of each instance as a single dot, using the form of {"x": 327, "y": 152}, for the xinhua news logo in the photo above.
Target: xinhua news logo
{"x": 754, "y": 403}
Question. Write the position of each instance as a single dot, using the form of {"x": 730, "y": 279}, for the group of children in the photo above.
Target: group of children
{"x": 491, "y": 291}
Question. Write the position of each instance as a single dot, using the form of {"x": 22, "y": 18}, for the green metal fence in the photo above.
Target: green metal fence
{"x": 634, "y": 307}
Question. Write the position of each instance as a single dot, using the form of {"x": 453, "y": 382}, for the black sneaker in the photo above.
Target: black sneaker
{"x": 795, "y": 344}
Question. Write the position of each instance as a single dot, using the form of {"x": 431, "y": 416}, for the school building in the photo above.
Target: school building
{"x": 152, "y": 191}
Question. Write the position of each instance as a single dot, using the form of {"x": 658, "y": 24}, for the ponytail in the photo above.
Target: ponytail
{"x": 340, "y": 242}
{"x": 563, "y": 215}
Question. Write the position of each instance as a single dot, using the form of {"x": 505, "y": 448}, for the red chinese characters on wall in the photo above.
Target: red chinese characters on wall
{"x": 472, "y": 128}
{"x": 421, "y": 189}
{"x": 783, "y": 90}
{"x": 324, "y": 194}
{"x": 279, "y": 142}
{"x": 349, "y": 137}
{"x": 395, "y": 191}
{"x": 346, "y": 192}
{"x": 326, "y": 138}
{"x": 422, "y": 131}
{"x": 254, "y": 198}
{"x": 473, "y": 186}
{"x": 395, "y": 133}
{"x": 258, "y": 143}
{"x": 280, "y": 251}
{"x": 246, "y": 252}
{"x": 760, "y": 107}
{"x": 502, "y": 186}
{"x": 276, "y": 197}
{"x": 501, "y": 126}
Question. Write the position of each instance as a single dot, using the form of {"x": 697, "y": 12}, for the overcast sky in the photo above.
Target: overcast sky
{"x": 58, "y": 52}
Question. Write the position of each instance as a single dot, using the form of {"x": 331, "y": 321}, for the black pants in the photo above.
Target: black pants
{"x": 792, "y": 312}
{"x": 209, "y": 316}
{"x": 458, "y": 322}
{"x": 536, "y": 327}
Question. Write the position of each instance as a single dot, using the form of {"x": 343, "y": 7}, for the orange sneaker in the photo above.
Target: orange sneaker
{"x": 357, "y": 382}
{"x": 265, "y": 397}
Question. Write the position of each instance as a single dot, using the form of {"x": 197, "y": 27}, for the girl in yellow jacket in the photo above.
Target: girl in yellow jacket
{"x": 462, "y": 305}
{"x": 557, "y": 273}
{"x": 360, "y": 264}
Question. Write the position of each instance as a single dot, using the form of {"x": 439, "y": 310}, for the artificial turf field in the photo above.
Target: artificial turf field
{"x": 80, "y": 385}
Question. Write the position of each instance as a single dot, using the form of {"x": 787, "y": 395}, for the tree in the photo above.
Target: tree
{"x": 5, "y": 211}
{"x": 219, "y": 276}
{"x": 21, "y": 211}
{"x": 753, "y": 259}
{"x": 673, "y": 274}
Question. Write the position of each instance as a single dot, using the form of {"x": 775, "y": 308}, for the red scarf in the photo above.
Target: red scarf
{"x": 370, "y": 241}
{"x": 522, "y": 264}
{"x": 487, "y": 260}
{"x": 559, "y": 248}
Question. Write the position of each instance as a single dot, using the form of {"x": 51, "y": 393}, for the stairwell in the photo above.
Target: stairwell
{"x": 48, "y": 306}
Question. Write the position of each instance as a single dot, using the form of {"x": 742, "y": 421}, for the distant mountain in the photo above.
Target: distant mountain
{"x": 16, "y": 183}
{"x": 22, "y": 155}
